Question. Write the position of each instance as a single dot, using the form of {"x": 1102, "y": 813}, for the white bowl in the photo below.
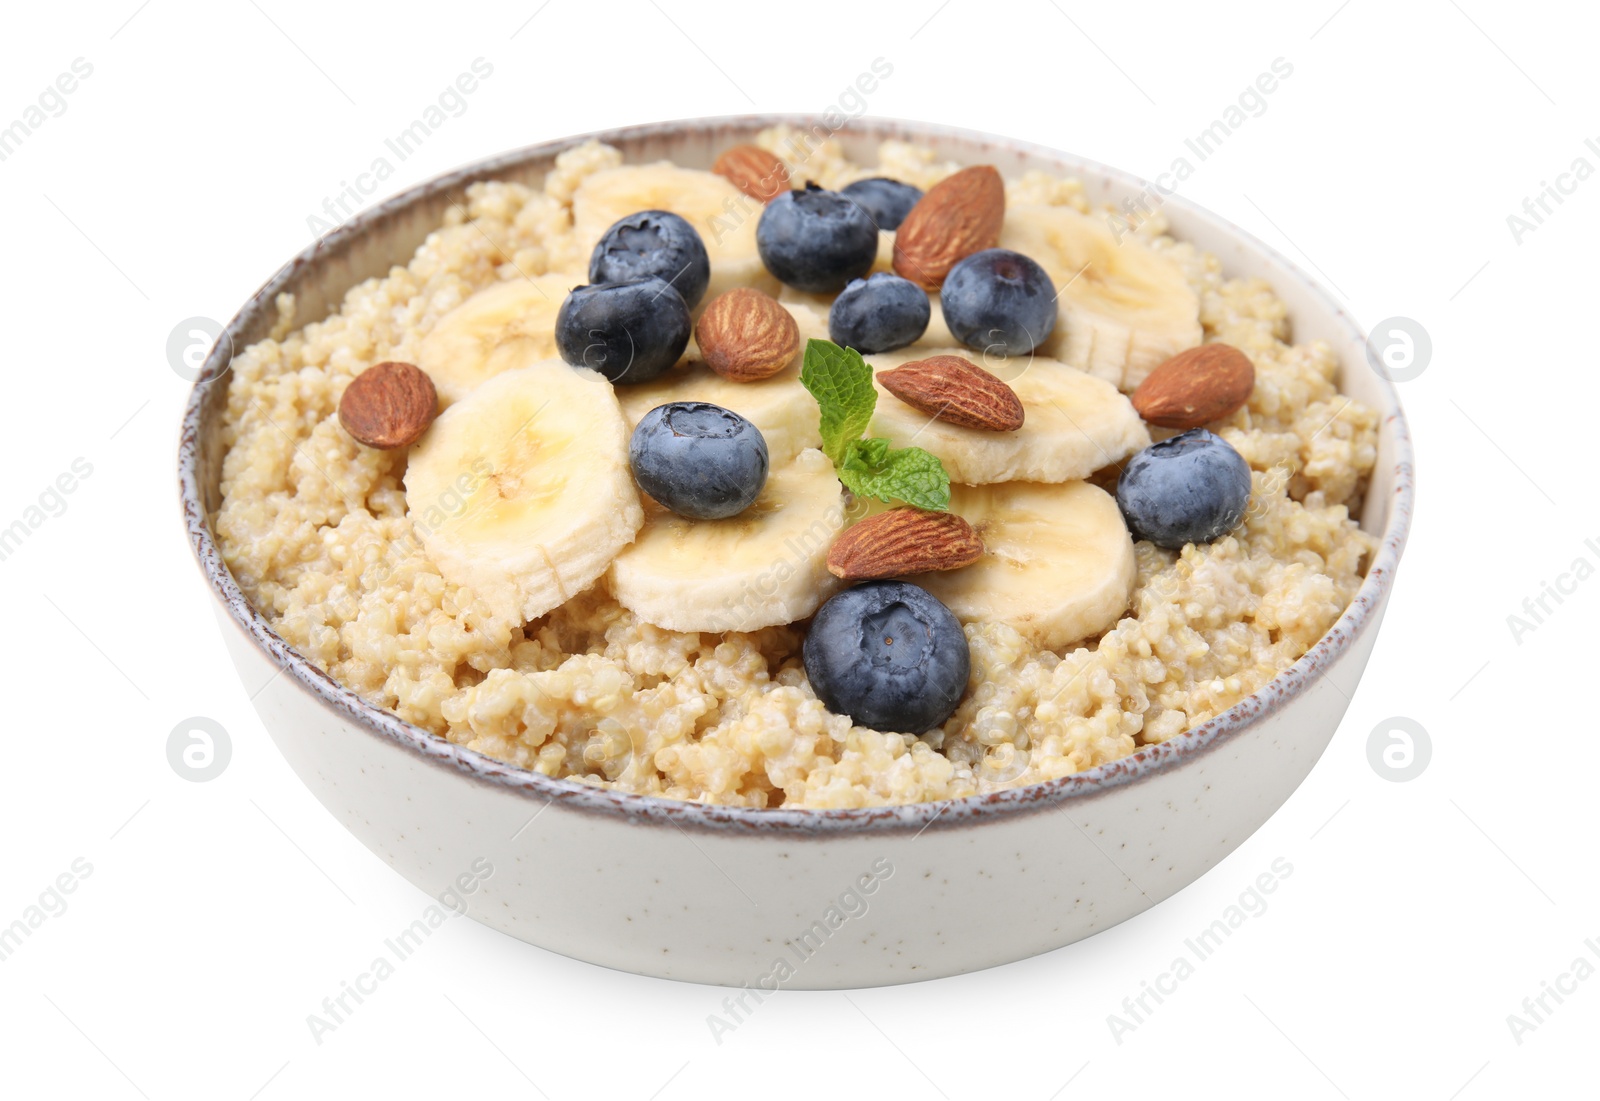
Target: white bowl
{"x": 797, "y": 898}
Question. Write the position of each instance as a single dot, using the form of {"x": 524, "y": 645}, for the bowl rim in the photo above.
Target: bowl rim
{"x": 783, "y": 822}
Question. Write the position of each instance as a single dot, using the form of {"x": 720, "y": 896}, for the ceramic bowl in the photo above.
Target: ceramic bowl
{"x": 793, "y": 898}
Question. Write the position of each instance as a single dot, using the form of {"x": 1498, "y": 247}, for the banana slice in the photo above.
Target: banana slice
{"x": 1059, "y": 566}
{"x": 521, "y": 491}
{"x": 818, "y": 304}
{"x": 938, "y": 334}
{"x": 885, "y": 260}
{"x": 1124, "y": 308}
{"x": 780, "y": 406}
{"x": 510, "y": 324}
{"x": 1075, "y": 423}
{"x": 724, "y": 216}
{"x": 765, "y": 567}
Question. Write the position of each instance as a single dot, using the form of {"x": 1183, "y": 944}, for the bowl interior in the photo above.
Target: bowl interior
{"x": 388, "y": 234}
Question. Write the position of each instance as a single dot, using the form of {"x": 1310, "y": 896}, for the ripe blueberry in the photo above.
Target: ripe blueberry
{"x": 629, "y": 332}
{"x": 816, "y": 240}
{"x": 998, "y": 300}
{"x": 1191, "y": 488}
{"x": 879, "y": 313}
{"x": 889, "y": 655}
{"x": 887, "y": 201}
{"x": 699, "y": 460}
{"x": 653, "y": 242}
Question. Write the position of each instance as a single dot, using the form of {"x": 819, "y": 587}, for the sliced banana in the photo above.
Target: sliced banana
{"x": 938, "y": 334}
{"x": 780, "y": 406}
{"x": 724, "y": 216}
{"x": 765, "y": 567}
{"x": 1124, "y": 308}
{"x": 817, "y": 304}
{"x": 885, "y": 260}
{"x": 510, "y": 324}
{"x": 1074, "y": 423}
{"x": 1059, "y": 563}
{"x": 521, "y": 491}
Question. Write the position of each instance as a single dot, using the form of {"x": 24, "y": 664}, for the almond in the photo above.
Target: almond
{"x": 957, "y": 391}
{"x": 958, "y": 216}
{"x": 388, "y": 405}
{"x": 753, "y": 170}
{"x": 901, "y": 541}
{"x": 1196, "y": 386}
{"x": 745, "y": 335}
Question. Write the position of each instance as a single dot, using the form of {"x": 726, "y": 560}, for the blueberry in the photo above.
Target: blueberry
{"x": 879, "y": 313}
{"x": 816, "y": 240}
{"x": 887, "y": 201}
{"x": 699, "y": 460}
{"x": 1192, "y": 488}
{"x": 888, "y": 655}
{"x": 653, "y": 242}
{"x": 999, "y": 300}
{"x": 629, "y": 332}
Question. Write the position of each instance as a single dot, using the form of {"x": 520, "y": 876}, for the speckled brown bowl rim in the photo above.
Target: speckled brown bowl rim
{"x": 783, "y": 823}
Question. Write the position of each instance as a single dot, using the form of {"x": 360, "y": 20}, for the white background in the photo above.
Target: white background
{"x": 218, "y": 915}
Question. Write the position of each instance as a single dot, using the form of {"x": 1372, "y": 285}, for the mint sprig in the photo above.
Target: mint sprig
{"x": 872, "y": 468}
{"x": 841, "y": 381}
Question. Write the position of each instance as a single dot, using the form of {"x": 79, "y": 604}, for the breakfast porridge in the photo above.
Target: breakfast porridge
{"x": 797, "y": 483}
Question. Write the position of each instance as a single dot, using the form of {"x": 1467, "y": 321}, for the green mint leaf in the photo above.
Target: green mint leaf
{"x": 841, "y": 382}
{"x": 871, "y": 468}
{"x": 865, "y": 456}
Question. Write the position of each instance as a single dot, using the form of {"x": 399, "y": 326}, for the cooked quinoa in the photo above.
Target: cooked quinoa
{"x": 314, "y": 527}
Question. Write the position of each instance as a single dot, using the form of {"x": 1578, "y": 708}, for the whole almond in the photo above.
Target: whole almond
{"x": 959, "y": 215}
{"x": 957, "y": 391}
{"x": 745, "y": 335}
{"x": 388, "y": 405}
{"x": 901, "y": 541}
{"x": 753, "y": 170}
{"x": 1196, "y": 386}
